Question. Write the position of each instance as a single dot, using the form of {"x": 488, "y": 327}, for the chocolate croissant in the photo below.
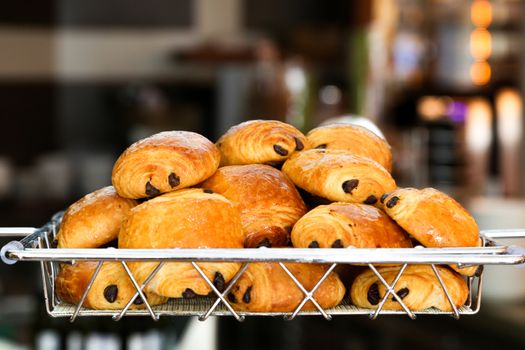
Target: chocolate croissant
{"x": 339, "y": 176}
{"x": 340, "y": 225}
{"x": 111, "y": 290}
{"x": 266, "y": 287}
{"x": 190, "y": 218}
{"x": 418, "y": 287}
{"x": 353, "y": 138}
{"x": 260, "y": 141}
{"x": 91, "y": 222}
{"x": 164, "y": 162}
{"x": 94, "y": 220}
{"x": 268, "y": 202}
{"x": 434, "y": 219}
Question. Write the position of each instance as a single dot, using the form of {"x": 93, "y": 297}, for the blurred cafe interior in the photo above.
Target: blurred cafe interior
{"x": 442, "y": 79}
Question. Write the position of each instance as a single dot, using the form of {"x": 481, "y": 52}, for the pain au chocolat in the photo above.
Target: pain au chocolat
{"x": 266, "y": 287}
{"x": 339, "y": 176}
{"x": 418, "y": 287}
{"x": 434, "y": 219}
{"x": 268, "y": 202}
{"x": 260, "y": 142}
{"x": 164, "y": 162}
{"x": 189, "y": 218}
{"x": 111, "y": 290}
{"x": 339, "y": 225}
{"x": 353, "y": 138}
{"x": 94, "y": 220}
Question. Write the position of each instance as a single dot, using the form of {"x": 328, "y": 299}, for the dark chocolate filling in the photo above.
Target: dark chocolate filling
{"x": 373, "y": 294}
{"x": 337, "y": 244}
{"x": 313, "y": 244}
{"x": 189, "y": 293}
{"x": 392, "y": 202}
{"x": 151, "y": 190}
{"x": 350, "y": 185}
{"x": 299, "y": 146}
{"x": 173, "y": 180}
{"x": 218, "y": 282}
{"x": 246, "y": 298}
{"x": 280, "y": 150}
{"x": 111, "y": 293}
{"x": 371, "y": 200}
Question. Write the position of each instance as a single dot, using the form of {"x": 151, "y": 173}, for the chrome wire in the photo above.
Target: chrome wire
{"x": 308, "y": 294}
{"x": 119, "y": 316}
{"x": 218, "y": 293}
{"x": 390, "y": 290}
{"x": 154, "y": 316}
{"x": 385, "y": 283}
{"x": 220, "y": 298}
{"x": 86, "y": 291}
{"x": 444, "y": 287}
{"x": 36, "y": 246}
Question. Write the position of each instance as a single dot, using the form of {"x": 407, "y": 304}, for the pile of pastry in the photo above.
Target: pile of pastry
{"x": 263, "y": 183}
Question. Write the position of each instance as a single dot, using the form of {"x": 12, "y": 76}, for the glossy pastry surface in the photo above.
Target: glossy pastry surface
{"x": 268, "y": 201}
{"x": 190, "y": 218}
{"x": 418, "y": 287}
{"x": 94, "y": 220}
{"x": 434, "y": 219}
{"x": 339, "y": 176}
{"x": 260, "y": 142}
{"x": 164, "y": 162}
{"x": 339, "y": 225}
{"x": 353, "y": 138}
{"x": 266, "y": 287}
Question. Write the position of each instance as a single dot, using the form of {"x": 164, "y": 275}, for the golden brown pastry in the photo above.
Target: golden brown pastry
{"x": 260, "y": 141}
{"x": 418, "y": 287}
{"x": 112, "y": 288}
{"x": 340, "y": 225}
{"x": 164, "y": 162}
{"x": 94, "y": 220}
{"x": 266, "y": 287}
{"x": 434, "y": 219}
{"x": 339, "y": 176}
{"x": 190, "y": 218}
{"x": 268, "y": 202}
{"x": 356, "y": 139}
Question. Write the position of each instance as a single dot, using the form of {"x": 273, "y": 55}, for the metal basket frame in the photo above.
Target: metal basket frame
{"x": 38, "y": 246}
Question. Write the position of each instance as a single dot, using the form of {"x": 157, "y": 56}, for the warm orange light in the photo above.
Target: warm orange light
{"x": 480, "y": 44}
{"x": 480, "y": 73}
{"x": 433, "y": 107}
{"x": 481, "y": 13}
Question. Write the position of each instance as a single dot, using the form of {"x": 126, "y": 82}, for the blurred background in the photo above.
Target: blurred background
{"x": 81, "y": 80}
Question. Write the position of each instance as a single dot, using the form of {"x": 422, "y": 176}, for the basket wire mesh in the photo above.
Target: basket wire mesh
{"x": 39, "y": 246}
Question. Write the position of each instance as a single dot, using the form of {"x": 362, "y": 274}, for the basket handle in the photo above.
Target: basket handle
{"x": 504, "y": 233}
{"x": 16, "y": 231}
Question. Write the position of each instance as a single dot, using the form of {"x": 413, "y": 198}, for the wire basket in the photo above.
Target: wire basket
{"x": 38, "y": 245}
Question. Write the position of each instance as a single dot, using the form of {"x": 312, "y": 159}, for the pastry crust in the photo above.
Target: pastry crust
{"x": 112, "y": 288}
{"x": 434, "y": 219}
{"x": 190, "y": 218}
{"x": 418, "y": 286}
{"x": 94, "y": 220}
{"x": 164, "y": 162}
{"x": 339, "y": 225}
{"x": 356, "y": 139}
{"x": 260, "y": 141}
{"x": 339, "y": 176}
{"x": 266, "y": 198}
{"x": 266, "y": 287}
